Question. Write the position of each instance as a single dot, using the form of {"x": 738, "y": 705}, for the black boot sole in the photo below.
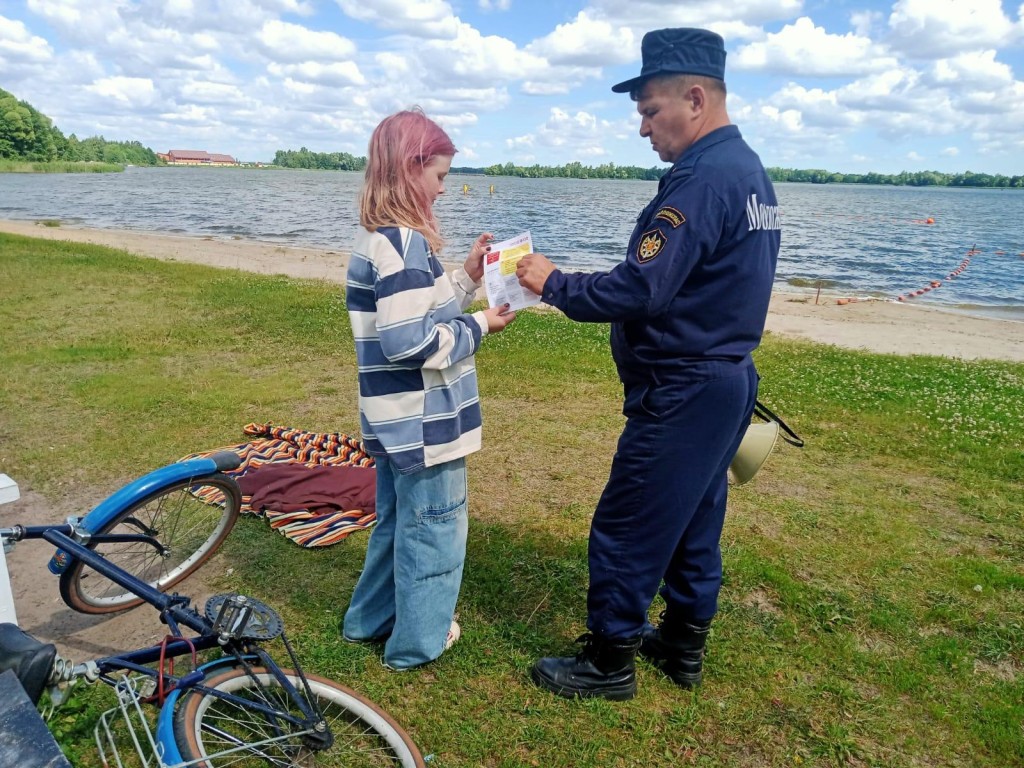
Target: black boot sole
{"x": 622, "y": 692}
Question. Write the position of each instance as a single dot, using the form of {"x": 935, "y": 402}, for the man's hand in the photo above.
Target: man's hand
{"x": 474, "y": 265}
{"x": 533, "y": 270}
{"x": 498, "y": 318}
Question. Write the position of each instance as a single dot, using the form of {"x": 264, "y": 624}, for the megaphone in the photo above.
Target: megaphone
{"x": 757, "y": 443}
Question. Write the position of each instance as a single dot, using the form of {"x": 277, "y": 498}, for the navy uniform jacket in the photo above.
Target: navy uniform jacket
{"x": 698, "y": 274}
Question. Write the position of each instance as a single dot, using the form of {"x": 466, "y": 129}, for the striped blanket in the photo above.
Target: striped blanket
{"x": 284, "y": 445}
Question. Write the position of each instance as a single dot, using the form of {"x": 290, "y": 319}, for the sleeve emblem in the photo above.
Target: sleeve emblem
{"x": 651, "y": 243}
{"x": 671, "y": 215}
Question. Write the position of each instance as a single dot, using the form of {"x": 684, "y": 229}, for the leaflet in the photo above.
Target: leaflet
{"x": 500, "y": 273}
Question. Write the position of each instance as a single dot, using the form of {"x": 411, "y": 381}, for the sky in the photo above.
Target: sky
{"x": 843, "y": 85}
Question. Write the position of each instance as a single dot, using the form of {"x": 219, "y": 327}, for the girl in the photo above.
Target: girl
{"x": 418, "y": 404}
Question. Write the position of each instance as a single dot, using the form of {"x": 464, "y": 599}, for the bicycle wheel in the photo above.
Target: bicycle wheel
{"x": 189, "y": 519}
{"x": 364, "y": 735}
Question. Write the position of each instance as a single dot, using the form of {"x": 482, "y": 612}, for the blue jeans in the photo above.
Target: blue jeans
{"x": 413, "y": 571}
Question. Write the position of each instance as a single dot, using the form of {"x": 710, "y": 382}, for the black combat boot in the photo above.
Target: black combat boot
{"x": 676, "y": 647}
{"x": 605, "y": 668}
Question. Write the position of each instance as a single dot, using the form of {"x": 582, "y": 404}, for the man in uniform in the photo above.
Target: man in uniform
{"x": 687, "y": 307}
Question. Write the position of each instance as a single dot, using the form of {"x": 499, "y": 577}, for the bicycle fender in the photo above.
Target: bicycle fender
{"x": 165, "y": 720}
{"x": 137, "y": 490}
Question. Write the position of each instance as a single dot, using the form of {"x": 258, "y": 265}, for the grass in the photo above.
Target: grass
{"x": 58, "y": 166}
{"x": 874, "y": 581}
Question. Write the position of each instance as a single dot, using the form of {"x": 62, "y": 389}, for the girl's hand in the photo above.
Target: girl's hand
{"x": 498, "y": 318}
{"x": 474, "y": 265}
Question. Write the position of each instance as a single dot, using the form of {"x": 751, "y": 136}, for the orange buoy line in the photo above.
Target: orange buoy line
{"x": 938, "y": 283}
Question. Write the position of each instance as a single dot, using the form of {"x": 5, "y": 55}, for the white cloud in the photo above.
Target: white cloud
{"x": 475, "y": 60}
{"x": 130, "y": 92}
{"x": 494, "y": 5}
{"x": 581, "y": 133}
{"x": 937, "y": 28}
{"x": 452, "y": 123}
{"x": 19, "y": 46}
{"x": 713, "y": 14}
{"x": 191, "y": 115}
{"x": 337, "y": 74}
{"x": 393, "y": 65}
{"x": 86, "y": 21}
{"x": 972, "y": 70}
{"x": 587, "y": 42}
{"x": 802, "y": 48}
{"x": 864, "y": 22}
{"x": 292, "y": 42}
{"x": 950, "y": 152}
{"x": 212, "y": 93}
{"x": 419, "y": 18}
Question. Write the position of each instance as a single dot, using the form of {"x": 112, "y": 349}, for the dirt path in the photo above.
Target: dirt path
{"x": 38, "y": 604}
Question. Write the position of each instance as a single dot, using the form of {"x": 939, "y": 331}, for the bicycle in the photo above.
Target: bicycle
{"x": 240, "y": 708}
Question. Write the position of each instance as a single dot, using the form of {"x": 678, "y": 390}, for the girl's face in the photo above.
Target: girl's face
{"x": 431, "y": 180}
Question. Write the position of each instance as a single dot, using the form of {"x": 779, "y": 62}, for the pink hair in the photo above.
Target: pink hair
{"x": 399, "y": 148}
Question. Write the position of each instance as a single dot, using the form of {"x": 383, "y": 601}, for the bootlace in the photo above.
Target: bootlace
{"x": 587, "y": 652}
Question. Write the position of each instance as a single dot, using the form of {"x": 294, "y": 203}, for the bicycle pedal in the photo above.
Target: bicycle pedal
{"x": 237, "y": 616}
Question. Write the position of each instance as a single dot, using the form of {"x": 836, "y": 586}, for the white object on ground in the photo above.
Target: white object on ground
{"x": 8, "y": 492}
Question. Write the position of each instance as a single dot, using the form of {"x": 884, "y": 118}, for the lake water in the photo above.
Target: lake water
{"x": 851, "y": 239}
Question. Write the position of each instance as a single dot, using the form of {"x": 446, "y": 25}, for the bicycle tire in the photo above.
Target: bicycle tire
{"x": 191, "y": 518}
{"x": 364, "y": 735}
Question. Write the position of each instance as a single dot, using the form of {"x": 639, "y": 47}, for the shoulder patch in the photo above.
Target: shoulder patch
{"x": 651, "y": 243}
{"x": 671, "y": 215}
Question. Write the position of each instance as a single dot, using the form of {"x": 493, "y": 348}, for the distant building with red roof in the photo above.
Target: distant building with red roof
{"x": 197, "y": 157}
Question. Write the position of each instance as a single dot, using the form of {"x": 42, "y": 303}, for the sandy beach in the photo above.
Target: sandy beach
{"x": 877, "y": 326}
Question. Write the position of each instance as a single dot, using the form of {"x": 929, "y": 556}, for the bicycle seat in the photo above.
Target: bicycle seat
{"x": 29, "y": 659}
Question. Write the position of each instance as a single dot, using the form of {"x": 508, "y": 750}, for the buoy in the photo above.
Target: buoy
{"x": 929, "y": 220}
{"x": 491, "y": 189}
{"x": 465, "y": 188}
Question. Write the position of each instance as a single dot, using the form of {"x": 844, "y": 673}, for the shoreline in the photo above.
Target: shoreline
{"x": 872, "y": 325}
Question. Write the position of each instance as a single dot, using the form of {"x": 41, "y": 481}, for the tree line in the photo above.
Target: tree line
{"x": 27, "y": 134}
{"x": 902, "y": 179}
{"x": 576, "y": 170}
{"x": 322, "y": 161}
{"x": 343, "y": 161}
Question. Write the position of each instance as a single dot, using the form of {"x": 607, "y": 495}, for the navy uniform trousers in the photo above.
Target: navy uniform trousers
{"x": 661, "y": 514}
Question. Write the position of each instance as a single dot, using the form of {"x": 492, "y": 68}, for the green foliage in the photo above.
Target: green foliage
{"x": 342, "y": 161}
{"x": 24, "y": 132}
{"x": 98, "y": 150}
{"x": 904, "y": 178}
{"x": 58, "y": 166}
{"x": 28, "y": 135}
{"x": 576, "y": 170}
{"x": 324, "y": 161}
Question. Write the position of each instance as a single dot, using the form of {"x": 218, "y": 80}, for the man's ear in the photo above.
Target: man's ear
{"x": 697, "y": 98}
